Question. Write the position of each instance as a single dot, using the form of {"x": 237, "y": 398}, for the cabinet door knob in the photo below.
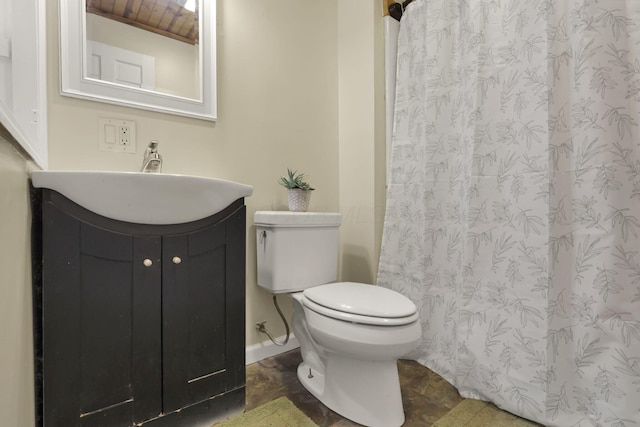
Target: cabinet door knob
{"x": 147, "y": 262}
{"x": 177, "y": 260}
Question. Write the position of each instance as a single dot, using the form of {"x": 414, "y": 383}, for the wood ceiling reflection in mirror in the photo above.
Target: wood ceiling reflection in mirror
{"x": 166, "y": 17}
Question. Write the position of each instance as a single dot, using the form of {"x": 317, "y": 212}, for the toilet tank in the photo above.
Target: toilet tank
{"x": 296, "y": 250}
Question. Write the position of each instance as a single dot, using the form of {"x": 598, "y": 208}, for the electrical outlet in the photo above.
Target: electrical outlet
{"x": 124, "y": 135}
{"x": 116, "y": 135}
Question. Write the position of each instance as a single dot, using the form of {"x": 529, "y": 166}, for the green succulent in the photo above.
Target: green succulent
{"x": 294, "y": 180}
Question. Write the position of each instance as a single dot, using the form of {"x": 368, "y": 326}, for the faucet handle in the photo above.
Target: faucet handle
{"x": 152, "y": 161}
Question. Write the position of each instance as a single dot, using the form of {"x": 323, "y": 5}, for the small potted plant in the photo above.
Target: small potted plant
{"x": 299, "y": 190}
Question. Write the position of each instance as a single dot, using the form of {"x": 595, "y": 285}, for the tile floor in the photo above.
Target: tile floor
{"x": 426, "y": 396}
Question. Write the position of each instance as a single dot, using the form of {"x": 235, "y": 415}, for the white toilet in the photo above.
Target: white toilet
{"x": 350, "y": 334}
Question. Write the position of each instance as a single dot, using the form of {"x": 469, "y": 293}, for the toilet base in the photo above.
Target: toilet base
{"x": 366, "y": 392}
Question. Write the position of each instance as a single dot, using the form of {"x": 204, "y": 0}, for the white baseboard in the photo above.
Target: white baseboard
{"x": 266, "y": 349}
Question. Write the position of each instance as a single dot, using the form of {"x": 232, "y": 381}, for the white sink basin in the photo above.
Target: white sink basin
{"x": 144, "y": 198}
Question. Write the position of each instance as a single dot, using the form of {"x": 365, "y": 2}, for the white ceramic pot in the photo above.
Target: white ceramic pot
{"x": 299, "y": 199}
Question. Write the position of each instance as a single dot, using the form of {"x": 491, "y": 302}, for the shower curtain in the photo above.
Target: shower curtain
{"x": 513, "y": 205}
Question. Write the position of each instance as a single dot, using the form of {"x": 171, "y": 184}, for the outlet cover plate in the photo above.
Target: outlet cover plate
{"x": 116, "y": 135}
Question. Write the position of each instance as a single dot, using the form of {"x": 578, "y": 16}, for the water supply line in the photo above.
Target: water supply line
{"x": 260, "y": 326}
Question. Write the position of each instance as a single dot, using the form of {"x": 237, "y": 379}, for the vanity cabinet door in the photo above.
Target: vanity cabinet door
{"x": 101, "y": 340}
{"x": 137, "y": 324}
{"x": 203, "y": 312}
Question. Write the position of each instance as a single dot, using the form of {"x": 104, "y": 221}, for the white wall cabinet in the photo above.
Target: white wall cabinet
{"x": 23, "y": 82}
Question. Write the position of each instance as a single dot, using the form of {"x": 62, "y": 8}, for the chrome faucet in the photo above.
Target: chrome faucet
{"x": 152, "y": 161}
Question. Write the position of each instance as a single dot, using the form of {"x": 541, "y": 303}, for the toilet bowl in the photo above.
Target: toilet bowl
{"x": 350, "y": 334}
{"x": 359, "y": 376}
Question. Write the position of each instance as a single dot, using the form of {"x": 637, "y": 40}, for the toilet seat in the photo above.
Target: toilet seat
{"x": 360, "y": 303}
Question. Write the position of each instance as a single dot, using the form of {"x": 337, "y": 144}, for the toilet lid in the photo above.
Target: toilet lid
{"x": 361, "y": 303}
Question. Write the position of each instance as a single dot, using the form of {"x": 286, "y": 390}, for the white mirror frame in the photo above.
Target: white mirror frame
{"x": 74, "y": 83}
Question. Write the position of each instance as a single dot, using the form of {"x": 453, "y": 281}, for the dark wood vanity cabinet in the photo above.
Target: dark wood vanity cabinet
{"x": 137, "y": 324}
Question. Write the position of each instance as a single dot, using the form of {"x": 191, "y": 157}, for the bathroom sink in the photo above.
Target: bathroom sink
{"x": 145, "y": 198}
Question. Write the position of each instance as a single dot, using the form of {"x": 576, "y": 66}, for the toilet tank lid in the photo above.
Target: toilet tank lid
{"x": 297, "y": 219}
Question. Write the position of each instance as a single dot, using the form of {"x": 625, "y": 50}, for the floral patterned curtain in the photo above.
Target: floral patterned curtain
{"x": 513, "y": 206}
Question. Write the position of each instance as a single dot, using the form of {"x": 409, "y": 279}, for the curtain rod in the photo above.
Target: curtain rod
{"x": 396, "y": 9}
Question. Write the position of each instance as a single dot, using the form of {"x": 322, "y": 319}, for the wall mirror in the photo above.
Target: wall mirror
{"x": 156, "y": 55}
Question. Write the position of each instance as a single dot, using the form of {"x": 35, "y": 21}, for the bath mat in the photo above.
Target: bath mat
{"x": 476, "y": 413}
{"x": 277, "y": 413}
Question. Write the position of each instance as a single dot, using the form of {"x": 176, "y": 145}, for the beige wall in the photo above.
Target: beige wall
{"x": 299, "y": 86}
{"x": 361, "y": 134}
{"x": 16, "y": 327}
{"x": 277, "y": 108}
